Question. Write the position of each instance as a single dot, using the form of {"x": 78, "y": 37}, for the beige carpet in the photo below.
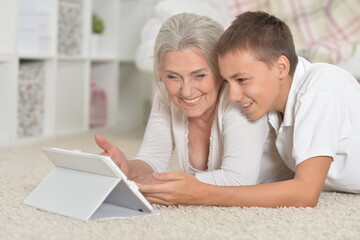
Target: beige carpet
{"x": 23, "y": 167}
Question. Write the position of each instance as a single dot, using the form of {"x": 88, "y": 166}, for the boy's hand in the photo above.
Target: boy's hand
{"x": 147, "y": 180}
{"x": 175, "y": 188}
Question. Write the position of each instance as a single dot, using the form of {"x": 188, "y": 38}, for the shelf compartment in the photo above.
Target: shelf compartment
{"x": 35, "y": 98}
{"x": 31, "y": 98}
{"x": 72, "y": 94}
{"x": 73, "y": 28}
{"x": 8, "y": 23}
{"x": 108, "y": 40}
{"x": 104, "y": 77}
{"x": 36, "y": 28}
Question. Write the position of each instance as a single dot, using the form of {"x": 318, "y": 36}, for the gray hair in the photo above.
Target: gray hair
{"x": 187, "y": 30}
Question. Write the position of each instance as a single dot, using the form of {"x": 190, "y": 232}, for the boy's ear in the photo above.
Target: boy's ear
{"x": 283, "y": 66}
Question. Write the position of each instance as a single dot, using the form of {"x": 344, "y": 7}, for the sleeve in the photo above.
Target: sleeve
{"x": 243, "y": 149}
{"x": 318, "y": 124}
{"x": 158, "y": 144}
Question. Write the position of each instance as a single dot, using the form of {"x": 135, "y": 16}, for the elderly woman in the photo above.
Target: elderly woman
{"x": 214, "y": 141}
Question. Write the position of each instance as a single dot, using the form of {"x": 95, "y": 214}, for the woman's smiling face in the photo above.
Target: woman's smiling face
{"x": 189, "y": 81}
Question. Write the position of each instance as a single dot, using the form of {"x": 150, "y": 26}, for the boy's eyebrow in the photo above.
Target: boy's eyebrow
{"x": 237, "y": 75}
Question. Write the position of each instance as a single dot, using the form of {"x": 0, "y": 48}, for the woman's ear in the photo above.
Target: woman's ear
{"x": 283, "y": 66}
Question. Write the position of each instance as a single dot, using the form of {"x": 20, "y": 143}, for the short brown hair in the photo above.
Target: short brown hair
{"x": 264, "y": 35}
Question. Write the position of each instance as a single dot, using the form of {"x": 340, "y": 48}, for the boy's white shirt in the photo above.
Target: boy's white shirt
{"x": 322, "y": 118}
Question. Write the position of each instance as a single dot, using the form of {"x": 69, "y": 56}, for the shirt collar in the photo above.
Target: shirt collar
{"x": 274, "y": 120}
{"x": 291, "y": 100}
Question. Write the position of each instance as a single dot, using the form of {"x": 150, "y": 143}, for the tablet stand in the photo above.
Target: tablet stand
{"x": 86, "y": 195}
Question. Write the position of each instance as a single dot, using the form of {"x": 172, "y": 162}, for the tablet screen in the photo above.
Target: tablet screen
{"x": 85, "y": 162}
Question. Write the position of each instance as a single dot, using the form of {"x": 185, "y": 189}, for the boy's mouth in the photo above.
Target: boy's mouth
{"x": 245, "y": 105}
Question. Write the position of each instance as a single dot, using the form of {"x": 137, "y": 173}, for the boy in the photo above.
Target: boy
{"x": 313, "y": 108}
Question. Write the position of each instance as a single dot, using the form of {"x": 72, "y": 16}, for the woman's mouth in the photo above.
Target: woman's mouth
{"x": 191, "y": 100}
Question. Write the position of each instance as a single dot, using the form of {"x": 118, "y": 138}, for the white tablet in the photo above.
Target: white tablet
{"x": 87, "y": 186}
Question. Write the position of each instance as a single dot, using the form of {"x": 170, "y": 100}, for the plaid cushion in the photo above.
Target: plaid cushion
{"x": 323, "y": 30}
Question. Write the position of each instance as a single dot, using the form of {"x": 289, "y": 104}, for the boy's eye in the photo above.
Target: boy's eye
{"x": 241, "y": 80}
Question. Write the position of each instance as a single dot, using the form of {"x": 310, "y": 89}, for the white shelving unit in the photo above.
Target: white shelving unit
{"x": 8, "y": 74}
{"x": 38, "y": 31}
{"x": 8, "y": 69}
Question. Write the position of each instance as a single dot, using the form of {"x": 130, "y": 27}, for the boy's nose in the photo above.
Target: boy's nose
{"x": 235, "y": 94}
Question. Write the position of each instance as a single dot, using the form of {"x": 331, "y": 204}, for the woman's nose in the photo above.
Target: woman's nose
{"x": 187, "y": 88}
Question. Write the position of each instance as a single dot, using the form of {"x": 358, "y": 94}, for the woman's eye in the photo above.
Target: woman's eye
{"x": 173, "y": 77}
{"x": 200, "y": 76}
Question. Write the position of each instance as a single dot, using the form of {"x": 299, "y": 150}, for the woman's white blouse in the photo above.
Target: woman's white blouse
{"x": 241, "y": 152}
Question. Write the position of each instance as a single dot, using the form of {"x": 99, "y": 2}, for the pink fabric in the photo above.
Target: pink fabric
{"x": 98, "y": 105}
{"x": 323, "y": 30}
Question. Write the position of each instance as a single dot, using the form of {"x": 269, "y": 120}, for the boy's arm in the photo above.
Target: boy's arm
{"x": 302, "y": 191}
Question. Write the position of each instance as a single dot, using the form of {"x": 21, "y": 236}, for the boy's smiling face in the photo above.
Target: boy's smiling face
{"x": 257, "y": 87}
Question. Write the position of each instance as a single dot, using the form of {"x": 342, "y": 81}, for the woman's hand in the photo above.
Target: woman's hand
{"x": 176, "y": 188}
{"x": 114, "y": 153}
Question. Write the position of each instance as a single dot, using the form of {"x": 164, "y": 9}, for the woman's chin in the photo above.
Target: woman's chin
{"x": 193, "y": 113}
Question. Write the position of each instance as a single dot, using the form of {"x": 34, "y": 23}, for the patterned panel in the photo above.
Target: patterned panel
{"x": 31, "y": 99}
{"x": 70, "y": 27}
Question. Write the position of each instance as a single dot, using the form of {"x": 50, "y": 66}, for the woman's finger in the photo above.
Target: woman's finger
{"x": 103, "y": 143}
